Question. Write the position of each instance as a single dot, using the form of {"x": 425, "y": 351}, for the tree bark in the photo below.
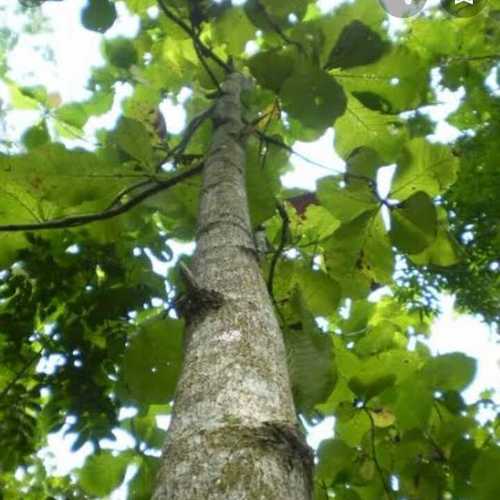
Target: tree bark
{"x": 234, "y": 433}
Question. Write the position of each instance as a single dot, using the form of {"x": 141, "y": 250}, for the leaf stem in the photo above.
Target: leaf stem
{"x": 374, "y": 455}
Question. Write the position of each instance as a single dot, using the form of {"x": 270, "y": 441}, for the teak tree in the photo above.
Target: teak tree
{"x": 268, "y": 325}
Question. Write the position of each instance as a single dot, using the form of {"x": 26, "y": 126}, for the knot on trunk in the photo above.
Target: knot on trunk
{"x": 197, "y": 300}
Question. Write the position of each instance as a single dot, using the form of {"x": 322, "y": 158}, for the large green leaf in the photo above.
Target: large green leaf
{"x": 485, "y": 477}
{"x": 414, "y": 223}
{"x": 453, "y": 371}
{"x": 281, "y": 62}
{"x": 313, "y": 97}
{"x": 36, "y": 136}
{"x": 396, "y": 82}
{"x": 423, "y": 166}
{"x": 357, "y": 45}
{"x": 359, "y": 254}
{"x": 310, "y": 361}
{"x": 133, "y": 138}
{"x": 103, "y": 473}
{"x": 321, "y": 293}
{"x": 346, "y": 203}
{"x": 444, "y": 250}
{"x": 63, "y": 177}
{"x": 413, "y": 404}
{"x": 153, "y": 360}
{"x": 361, "y": 126}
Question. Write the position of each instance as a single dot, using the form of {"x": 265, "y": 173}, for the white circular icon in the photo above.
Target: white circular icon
{"x": 402, "y": 8}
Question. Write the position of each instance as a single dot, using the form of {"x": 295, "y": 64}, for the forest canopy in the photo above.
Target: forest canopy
{"x": 98, "y": 193}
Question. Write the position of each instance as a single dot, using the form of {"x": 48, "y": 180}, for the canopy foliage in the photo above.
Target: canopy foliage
{"x": 87, "y": 328}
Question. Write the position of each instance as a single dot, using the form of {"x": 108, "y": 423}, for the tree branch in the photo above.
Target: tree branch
{"x": 196, "y": 40}
{"x": 279, "y": 250}
{"x": 112, "y": 211}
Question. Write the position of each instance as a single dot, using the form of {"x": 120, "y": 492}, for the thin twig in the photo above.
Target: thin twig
{"x": 292, "y": 151}
{"x": 192, "y": 127}
{"x": 275, "y": 26}
{"x": 207, "y": 68}
{"x": 281, "y": 246}
{"x": 80, "y": 220}
{"x": 117, "y": 199}
{"x": 374, "y": 455}
{"x": 192, "y": 34}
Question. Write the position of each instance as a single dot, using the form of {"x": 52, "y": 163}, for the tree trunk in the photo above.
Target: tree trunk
{"x": 234, "y": 433}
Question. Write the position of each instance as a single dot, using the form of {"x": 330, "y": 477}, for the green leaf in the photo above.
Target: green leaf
{"x": 396, "y": 82}
{"x": 363, "y": 164}
{"x": 377, "y": 257}
{"x": 368, "y": 387}
{"x": 310, "y": 361}
{"x": 98, "y": 15}
{"x": 485, "y": 478}
{"x": 20, "y": 99}
{"x": 36, "y": 136}
{"x": 357, "y": 45}
{"x": 345, "y": 203}
{"x": 444, "y": 251}
{"x": 321, "y": 293}
{"x": 103, "y": 473}
{"x": 413, "y": 404}
{"x": 378, "y": 373}
{"x": 121, "y": 52}
{"x": 423, "y": 166}
{"x": 263, "y": 181}
{"x": 342, "y": 257}
{"x": 414, "y": 223}
{"x": 234, "y": 30}
{"x": 335, "y": 459}
{"x": 318, "y": 223}
{"x": 313, "y": 97}
{"x": 73, "y": 114}
{"x": 141, "y": 486}
{"x": 352, "y": 431}
{"x": 132, "y": 137}
{"x": 152, "y": 362}
{"x": 361, "y": 126}
{"x": 358, "y": 254}
{"x": 453, "y": 371}
{"x": 281, "y": 62}
{"x": 65, "y": 178}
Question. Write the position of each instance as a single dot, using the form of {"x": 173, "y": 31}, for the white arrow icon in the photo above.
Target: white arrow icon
{"x": 470, "y": 2}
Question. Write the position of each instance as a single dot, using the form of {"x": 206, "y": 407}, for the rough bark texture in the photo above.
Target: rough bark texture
{"x": 233, "y": 434}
